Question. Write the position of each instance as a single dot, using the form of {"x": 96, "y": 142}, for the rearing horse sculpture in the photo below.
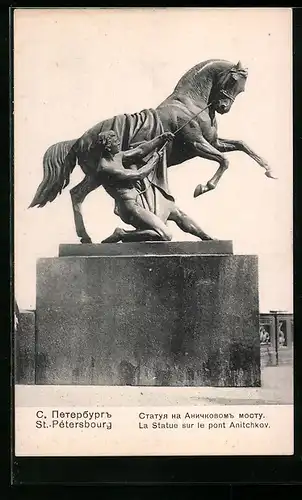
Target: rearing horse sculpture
{"x": 189, "y": 112}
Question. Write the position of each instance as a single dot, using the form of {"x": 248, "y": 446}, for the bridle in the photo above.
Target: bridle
{"x": 226, "y": 94}
{"x": 221, "y": 85}
{"x": 223, "y": 82}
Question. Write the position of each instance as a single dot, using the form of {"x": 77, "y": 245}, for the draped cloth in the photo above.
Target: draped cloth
{"x": 132, "y": 130}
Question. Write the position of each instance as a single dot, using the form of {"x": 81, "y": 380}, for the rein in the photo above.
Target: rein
{"x": 221, "y": 91}
{"x": 165, "y": 144}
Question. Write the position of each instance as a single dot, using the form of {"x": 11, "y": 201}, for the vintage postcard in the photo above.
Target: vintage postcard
{"x": 153, "y": 225}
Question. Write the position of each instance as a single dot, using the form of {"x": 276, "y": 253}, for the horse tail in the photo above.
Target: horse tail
{"x": 58, "y": 163}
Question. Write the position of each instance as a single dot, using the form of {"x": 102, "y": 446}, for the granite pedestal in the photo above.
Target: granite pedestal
{"x": 25, "y": 348}
{"x": 161, "y": 314}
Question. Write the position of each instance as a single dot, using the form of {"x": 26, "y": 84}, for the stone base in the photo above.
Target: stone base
{"x": 24, "y": 346}
{"x": 148, "y": 248}
{"x": 164, "y": 320}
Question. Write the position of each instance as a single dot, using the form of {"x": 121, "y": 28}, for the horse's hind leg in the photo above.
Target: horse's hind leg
{"x": 78, "y": 195}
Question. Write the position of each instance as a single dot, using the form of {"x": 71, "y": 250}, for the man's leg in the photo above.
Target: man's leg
{"x": 149, "y": 227}
{"x": 124, "y": 235}
{"x": 186, "y": 224}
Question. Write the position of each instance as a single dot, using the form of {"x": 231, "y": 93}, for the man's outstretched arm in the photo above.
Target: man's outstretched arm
{"x": 123, "y": 174}
{"x": 137, "y": 154}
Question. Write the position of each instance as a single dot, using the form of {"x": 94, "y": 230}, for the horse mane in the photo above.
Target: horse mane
{"x": 191, "y": 75}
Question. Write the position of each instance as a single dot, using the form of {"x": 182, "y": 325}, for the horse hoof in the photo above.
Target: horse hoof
{"x": 200, "y": 189}
{"x": 270, "y": 176}
{"x": 86, "y": 240}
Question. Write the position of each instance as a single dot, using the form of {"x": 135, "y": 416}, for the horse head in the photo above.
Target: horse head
{"x": 230, "y": 83}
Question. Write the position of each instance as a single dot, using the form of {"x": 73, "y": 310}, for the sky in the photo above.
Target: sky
{"x": 76, "y": 67}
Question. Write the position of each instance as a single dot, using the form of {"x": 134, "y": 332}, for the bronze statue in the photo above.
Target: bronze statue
{"x": 189, "y": 113}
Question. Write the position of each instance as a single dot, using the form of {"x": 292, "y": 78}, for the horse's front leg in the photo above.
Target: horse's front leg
{"x": 205, "y": 150}
{"x": 229, "y": 145}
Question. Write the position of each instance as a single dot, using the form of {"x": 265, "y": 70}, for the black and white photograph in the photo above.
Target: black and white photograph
{"x": 153, "y": 267}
